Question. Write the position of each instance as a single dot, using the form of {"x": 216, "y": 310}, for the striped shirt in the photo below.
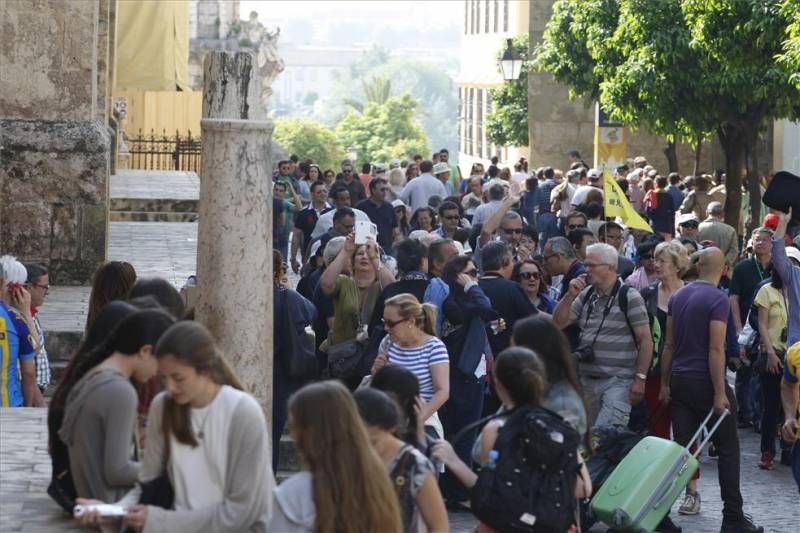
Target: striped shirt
{"x": 419, "y": 361}
{"x": 615, "y": 349}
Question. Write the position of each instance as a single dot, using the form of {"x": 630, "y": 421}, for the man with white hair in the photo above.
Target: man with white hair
{"x": 723, "y": 236}
{"x": 16, "y": 343}
{"x": 615, "y": 347}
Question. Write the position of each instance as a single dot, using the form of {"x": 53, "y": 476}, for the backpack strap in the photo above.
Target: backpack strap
{"x": 622, "y": 300}
{"x": 481, "y": 422}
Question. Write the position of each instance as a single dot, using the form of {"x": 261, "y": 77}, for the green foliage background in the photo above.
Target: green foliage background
{"x": 507, "y": 124}
{"x": 309, "y": 139}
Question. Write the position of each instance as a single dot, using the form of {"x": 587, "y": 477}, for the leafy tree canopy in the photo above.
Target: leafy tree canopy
{"x": 680, "y": 68}
{"x": 384, "y": 131}
{"x": 309, "y": 139}
{"x": 507, "y": 124}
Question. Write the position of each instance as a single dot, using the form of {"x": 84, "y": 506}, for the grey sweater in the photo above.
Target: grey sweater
{"x": 249, "y": 480}
{"x": 98, "y": 429}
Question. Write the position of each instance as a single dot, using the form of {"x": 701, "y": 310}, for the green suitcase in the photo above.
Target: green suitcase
{"x": 644, "y": 485}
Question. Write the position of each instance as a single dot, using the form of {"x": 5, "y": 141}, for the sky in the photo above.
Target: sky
{"x": 387, "y": 11}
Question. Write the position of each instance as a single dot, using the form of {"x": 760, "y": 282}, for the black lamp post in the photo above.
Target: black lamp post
{"x": 510, "y": 63}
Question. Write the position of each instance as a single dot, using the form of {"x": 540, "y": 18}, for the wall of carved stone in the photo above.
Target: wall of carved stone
{"x": 56, "y": 144}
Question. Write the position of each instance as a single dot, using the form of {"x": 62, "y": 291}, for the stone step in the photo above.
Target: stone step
{"x": 153, "y": 205}
{"x": 151, "y": 216}
{"x": 61, "y": 345}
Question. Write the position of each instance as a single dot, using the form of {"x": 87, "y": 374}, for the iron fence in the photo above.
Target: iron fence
{"x": 163, "y": 152}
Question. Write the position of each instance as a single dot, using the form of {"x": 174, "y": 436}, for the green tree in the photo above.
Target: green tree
{"x": 679, "y": 68}
{"x": 508, "y": 121}
{"x": 791, "y": 58}
{"x": 376, "y": 90}
{"x": 309, "y": 139}
{"x": 384, "y": 131}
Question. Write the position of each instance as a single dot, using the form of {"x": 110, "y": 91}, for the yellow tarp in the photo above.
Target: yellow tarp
{"x": 152, "y": 45}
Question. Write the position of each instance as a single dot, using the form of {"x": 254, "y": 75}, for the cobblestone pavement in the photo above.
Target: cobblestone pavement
{"x": 153, "y": 184}
{"x": 770, "y": 497}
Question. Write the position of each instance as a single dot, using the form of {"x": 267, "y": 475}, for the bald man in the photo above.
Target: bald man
{"x": 693, "y": 375}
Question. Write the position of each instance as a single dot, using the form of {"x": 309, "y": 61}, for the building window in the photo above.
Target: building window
{"x": 505, "y": 15}
{"x": 479, "y": 123}
{"x": 496, "y": 16}
{"x": 476, "y": 13}
{"x": 461, "y": 119}
{"x": 486, "y": 11}
{"x": 470, "y": 120}
{"x": 466, "y": 16}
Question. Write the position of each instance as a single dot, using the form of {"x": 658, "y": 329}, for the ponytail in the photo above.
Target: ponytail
{"x": 522, "y": 374}
{"x": 429, "y": 322}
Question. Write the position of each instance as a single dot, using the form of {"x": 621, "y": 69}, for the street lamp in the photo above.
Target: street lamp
{"x": 510, "y": 63}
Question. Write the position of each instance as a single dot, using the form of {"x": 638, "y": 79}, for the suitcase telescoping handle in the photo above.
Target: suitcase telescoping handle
{"x": 710, "y": 433}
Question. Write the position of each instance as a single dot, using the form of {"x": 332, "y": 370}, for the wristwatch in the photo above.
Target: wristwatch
{"x": 641, "y": 376}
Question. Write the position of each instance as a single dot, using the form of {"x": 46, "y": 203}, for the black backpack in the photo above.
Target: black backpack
{"x": 531, "y": 486}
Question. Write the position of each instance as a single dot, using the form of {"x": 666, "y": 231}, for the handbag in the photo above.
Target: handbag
{"x": 344, "y": 358}
{"x": 62, "y": 490}
{"x": 298, "y": 354}
{"x": 157, "y": 492}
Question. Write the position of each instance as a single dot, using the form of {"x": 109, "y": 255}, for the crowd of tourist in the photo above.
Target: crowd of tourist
{"x": 493, "y": 294}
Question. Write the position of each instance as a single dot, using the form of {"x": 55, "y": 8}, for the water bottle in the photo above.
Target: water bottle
{"x": 493, "y": 456}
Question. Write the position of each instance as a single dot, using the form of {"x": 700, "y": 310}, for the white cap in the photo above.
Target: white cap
{"x": 687, "y": 217}
{"x": 399, "y": 203}
{"x": 593, "y": 173}
{"x": 793, "y": 253}
{"x": 635, "y": 174}
{"x": 440, "y": 168}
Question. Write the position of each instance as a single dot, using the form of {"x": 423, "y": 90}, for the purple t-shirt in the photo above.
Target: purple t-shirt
{"x": 692, "y": 308}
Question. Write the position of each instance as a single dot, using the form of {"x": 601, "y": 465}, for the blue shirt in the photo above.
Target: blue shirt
{"x": 677, "y": 196}
{"x": 542, "y": 196}
{"x": 790, "y": 275}
{"x": 436, "y": 293}
{"x": 15, "y": 345}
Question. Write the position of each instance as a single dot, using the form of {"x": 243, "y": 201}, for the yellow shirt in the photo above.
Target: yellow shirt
{"x": 791, "y": 371}
{"x": 772, "y": 299}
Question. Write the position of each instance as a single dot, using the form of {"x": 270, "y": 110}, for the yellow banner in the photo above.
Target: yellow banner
{"x": 152, "y": 46}
{"x": 618, "y": 205}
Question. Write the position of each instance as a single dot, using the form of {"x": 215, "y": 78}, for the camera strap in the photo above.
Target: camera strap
{"x": 606, "y": 310}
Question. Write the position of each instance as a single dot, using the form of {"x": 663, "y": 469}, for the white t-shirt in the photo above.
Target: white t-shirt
{"x": 582, "y": 192}
{"x": 417, "y": 192}
{"x": 325, "y": 221}
{"x": 198, "y": 474}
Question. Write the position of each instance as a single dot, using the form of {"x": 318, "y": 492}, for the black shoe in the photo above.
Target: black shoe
{"x": 757, "y": 426}
{"x": 744, "y": 423}
{"x": 742, "y": 525}
{"x": 668, "y": 526}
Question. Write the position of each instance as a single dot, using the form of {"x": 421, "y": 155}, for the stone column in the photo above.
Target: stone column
{"x": 234, "y": 245}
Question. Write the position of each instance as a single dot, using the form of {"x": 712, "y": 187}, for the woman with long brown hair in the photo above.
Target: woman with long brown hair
{"x": 344, "y": 486}
{"x": 112, "y": 281}
{"x": 209, "y": 437}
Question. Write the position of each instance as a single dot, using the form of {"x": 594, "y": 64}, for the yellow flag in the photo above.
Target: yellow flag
{"x": 618, "y": 205}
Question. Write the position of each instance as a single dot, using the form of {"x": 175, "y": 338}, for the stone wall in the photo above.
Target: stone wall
{"x": 55, "y": 60}
{"x": 557, "y": 124}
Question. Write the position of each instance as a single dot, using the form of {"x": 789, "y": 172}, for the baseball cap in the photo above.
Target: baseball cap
{"x": 793, "y": 253}
{"x": 593, "y": 174}
{"x": 398, "y": 203}
{"x": 687, "y": 218}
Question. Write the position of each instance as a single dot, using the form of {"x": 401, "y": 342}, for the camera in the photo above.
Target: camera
{"x": 584, "y": 354}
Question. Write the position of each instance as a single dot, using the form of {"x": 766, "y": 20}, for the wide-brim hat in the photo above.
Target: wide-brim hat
{"x": 783, "y": 192}
{"x": 440, "y": 168}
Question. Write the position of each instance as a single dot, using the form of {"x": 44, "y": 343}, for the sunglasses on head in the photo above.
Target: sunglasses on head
{"x": 529, "y": 275}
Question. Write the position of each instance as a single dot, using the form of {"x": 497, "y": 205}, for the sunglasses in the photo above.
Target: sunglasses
{"x": 471, "y": 273}
{"x": 575, "y": 226}
{"x": 514, "y": 231}
{"x": 389, "y": 324}
{"x": 529, "y": 275}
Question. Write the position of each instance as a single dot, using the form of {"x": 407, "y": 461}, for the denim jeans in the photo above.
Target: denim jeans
{"x": 462, "y": 408}
{"x": 748, "y": 387}
{"x": 607, "y": 400}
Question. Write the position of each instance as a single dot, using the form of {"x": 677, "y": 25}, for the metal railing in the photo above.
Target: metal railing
{"x": 163, "y": 152}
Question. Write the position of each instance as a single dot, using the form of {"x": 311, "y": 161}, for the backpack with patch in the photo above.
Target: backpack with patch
{"x": 530, "y": 485}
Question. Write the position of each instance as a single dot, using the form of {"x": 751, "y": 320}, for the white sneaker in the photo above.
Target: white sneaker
{"x": 690, "y": 504}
